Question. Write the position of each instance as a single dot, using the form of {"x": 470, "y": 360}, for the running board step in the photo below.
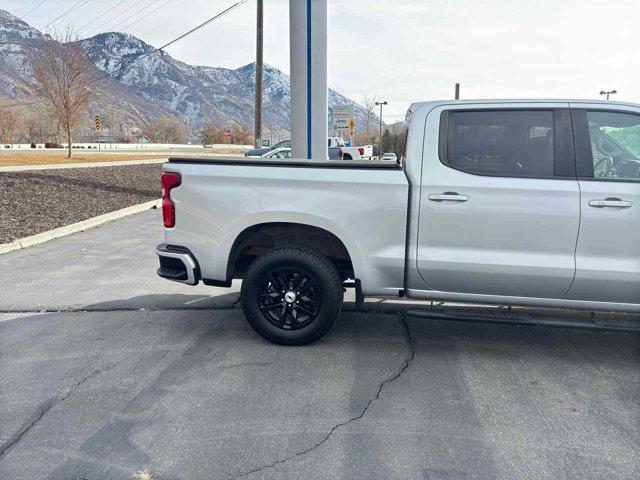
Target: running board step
{"x": 594, "y": 321}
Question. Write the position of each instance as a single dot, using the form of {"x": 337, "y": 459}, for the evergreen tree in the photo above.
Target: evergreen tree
{"x": 388, "y": 142}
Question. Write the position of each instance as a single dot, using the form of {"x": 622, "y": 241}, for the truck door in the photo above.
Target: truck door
{"x": 608, "y": 252}
{"x": 499, "y": 201}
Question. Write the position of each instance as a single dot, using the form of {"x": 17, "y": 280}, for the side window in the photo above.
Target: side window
{"x": 512, "y": 143}
{"x": 615, "y": 145}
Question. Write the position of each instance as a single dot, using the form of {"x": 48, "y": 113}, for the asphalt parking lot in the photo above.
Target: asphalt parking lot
{"x": 106, "y": 370}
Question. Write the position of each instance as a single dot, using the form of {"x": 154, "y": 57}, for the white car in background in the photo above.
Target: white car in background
{"x": 278, "y": 153}
{"x": 390, "y": 157}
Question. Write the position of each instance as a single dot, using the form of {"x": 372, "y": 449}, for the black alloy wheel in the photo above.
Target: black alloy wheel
{"x": 289, "y": 298}
{"x": 291, "y": 295}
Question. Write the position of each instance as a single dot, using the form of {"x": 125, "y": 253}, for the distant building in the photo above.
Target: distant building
{"x": 143, "y": 139}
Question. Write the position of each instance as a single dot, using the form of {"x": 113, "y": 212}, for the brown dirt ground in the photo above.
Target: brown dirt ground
{"x": 40, "y": 200}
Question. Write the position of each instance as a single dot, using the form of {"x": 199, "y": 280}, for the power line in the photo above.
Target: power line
{"x": 74, "y": 7}
{"x": 203, "y": 24}
{"x": 113, "y": 27}
{"x": 147, "y": 15}
{"x": 113, "y": 72}
{"x": 101, "y": 15}
{"x": 33, "y": 9}
{"x": 99, "y": 27}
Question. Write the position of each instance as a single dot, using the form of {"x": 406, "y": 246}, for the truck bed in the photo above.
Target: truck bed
{"x": 293, "y": 163}
{"x": 361, "y": 203}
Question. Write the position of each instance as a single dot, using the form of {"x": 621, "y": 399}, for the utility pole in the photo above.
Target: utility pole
{"x": 457, "y": 94}
{"x": 380, "y": 139}
{"x": 257, "y": 125}
{"x": 271, "y": 123}
{"x": 608, "y": 92}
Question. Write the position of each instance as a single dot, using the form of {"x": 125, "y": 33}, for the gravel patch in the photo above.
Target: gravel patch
{"x": 37, "y": 201}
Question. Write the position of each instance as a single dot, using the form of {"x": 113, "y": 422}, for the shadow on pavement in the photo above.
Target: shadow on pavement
{"x": 172, "y": 301}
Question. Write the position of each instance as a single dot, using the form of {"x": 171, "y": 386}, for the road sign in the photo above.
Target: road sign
{"x": 228, "y": 133}
{"x": 341, "y": 119}
{"x": 341, "y": 116}
{"x": 97, "y": 122}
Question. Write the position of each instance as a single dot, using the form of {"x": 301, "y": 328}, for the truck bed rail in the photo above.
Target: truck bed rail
{"x": 291, "y": 163}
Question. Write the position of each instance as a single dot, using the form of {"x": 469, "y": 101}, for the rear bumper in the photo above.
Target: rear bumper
{"x": 177, "y": 264}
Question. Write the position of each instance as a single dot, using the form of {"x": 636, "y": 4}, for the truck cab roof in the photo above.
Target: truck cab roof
{"x": 434, "y": 103}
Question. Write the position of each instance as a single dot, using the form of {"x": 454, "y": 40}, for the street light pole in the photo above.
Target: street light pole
{"x": 380, "y": 139}
{"x": 608, "y": 92}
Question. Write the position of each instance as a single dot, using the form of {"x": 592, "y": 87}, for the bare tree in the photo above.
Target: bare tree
{"x": 167, "y": 129}
{"x": 212, "y": 134}
{"x": 9, "y": 121}
{"x": 369, "y": 117}
{"x": 242, "y": 135}
{"x": 63, "y": 74}
{"x": 35, "y": 128}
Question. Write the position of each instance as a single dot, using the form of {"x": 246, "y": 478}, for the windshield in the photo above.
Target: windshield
{"x": 283, "y": 144}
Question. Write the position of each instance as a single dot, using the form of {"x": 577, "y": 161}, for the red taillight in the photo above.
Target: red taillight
{"x": 361, "y": 152}
{"x": 170, "y": 180}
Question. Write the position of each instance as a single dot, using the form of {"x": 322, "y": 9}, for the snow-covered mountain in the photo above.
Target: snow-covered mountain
{"x": 156, "y": 84}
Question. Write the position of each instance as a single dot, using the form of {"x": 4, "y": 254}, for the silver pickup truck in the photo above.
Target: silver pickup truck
{"x": 504, "y": 202}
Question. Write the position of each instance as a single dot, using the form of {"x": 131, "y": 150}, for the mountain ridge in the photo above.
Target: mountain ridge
{"x": 157, "y": 84}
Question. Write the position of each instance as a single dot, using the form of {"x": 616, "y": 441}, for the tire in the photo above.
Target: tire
{"x": 291, "y": 316}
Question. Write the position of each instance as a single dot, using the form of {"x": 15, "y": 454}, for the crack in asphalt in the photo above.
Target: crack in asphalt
{"x": 233, "y": 306}
{"x": 393, "y": 378}
{"x": 44, "y": 409}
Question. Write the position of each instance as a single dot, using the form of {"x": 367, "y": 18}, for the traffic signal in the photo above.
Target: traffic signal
{"x": 97, "y": 120}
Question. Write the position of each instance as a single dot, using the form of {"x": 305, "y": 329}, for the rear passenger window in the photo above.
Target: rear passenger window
{"x": 513, "y": 143}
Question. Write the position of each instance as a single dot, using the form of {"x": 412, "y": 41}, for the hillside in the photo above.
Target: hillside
{"x": 156, "y": 85}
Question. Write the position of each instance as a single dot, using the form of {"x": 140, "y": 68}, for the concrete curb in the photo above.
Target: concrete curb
{"x": 75, "y": 227}
{"x": 54, "y": 166}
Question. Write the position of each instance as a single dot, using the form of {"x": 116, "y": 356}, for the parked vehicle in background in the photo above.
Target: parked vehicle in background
{"x": 259, "y": 152}
{"x": 334, "y": 142}
{"x": 278, "y": 153}
{"x": 335, "y": 153}
{"x": 504, "y": 202}
{"x": 357, "y": 153}
{"x": 348, "y": 153}
{"x": 390, "y": 157}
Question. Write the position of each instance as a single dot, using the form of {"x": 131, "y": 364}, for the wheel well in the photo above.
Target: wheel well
{"x": 256, "y": 240}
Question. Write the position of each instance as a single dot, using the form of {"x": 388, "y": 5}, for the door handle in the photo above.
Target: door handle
{"x": 449, "y": 197}
{"x": 610, "y": 203}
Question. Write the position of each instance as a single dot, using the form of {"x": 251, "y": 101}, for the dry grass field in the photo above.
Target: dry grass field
{"x": 44, "y": 157}
{"x": 15, "y": 159}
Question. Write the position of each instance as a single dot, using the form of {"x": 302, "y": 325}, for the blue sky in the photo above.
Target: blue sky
{"x": 408, "y": 50}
